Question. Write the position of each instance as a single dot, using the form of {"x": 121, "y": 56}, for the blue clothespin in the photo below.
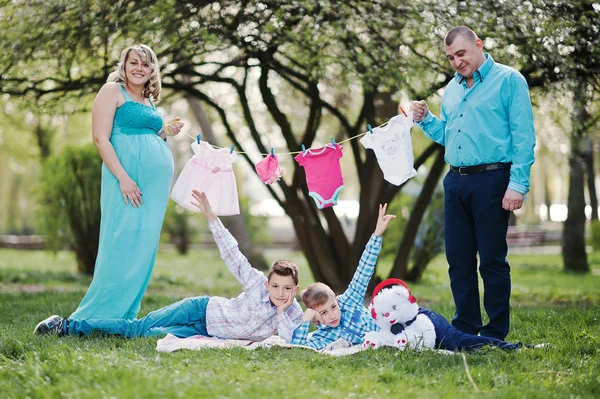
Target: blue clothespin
{"x": 370, "y": 128}
{"x": 198, "y": 138}
{"x": 333, "y": 142}
{"x": 231, "y": 149}
{"x": 272, "y": 154}
{"x": 303, "y": 149}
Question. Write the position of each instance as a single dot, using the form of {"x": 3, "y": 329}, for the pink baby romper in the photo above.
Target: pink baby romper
{"x": 323, "y": 174}
{"x": 209, "y": 171}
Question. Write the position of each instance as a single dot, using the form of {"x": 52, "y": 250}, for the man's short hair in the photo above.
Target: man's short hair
{"x": 284, "y": 268}
{"x": 317, "y": 294}
{"x": 463, "y": 31}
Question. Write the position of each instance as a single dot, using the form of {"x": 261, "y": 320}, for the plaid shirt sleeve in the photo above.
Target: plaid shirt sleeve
{"x": 318, "y": 340}
{"x": 235, "y": 261}
{"x": 355, "y": 294}
{"x": 288, "y": 321}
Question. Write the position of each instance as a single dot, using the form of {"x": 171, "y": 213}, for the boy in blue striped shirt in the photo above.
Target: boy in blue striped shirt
{"x": 343, "y": 317}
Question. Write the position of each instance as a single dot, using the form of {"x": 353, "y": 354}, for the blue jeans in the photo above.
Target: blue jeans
{"x": 450, "y": 338}
{"x": 182, "y": 319}
{"x": 475, "y": 223}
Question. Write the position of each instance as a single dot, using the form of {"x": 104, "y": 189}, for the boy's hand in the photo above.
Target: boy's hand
{"x": 203, "y": 205}
{"x": 281, "y": 308}
{"x": 383, "y": 220}
{"x": 313, "y": 316}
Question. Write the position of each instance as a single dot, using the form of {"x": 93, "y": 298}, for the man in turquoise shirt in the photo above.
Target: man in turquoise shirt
{"x": 486, "y": 126}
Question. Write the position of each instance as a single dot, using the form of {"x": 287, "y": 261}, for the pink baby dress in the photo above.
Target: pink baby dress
{"x": 268, "y": 169}
{"x": 323, "y": 174}
{"x": 209, "y": 171}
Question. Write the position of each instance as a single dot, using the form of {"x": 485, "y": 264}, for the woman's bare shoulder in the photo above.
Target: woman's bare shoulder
{"x": 111, "y": 88}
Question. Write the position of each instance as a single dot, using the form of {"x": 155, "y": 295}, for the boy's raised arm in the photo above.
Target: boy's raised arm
{"x": 235, "y": 261}
{"x": 366, "y": 266}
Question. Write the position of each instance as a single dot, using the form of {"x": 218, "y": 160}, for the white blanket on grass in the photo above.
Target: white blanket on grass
{"x": 341, "y": 347}
{"x": 171, "y": 343}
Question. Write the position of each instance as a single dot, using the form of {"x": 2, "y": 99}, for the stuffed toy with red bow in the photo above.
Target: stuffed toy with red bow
{"x": 396, "y": 312}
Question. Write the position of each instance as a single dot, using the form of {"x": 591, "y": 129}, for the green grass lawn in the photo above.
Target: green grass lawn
{"x": 549, "y": 306}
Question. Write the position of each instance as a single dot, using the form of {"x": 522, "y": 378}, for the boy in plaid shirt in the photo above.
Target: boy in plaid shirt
{"x": 267, "y": 305}
{"x": 343, "y": 317}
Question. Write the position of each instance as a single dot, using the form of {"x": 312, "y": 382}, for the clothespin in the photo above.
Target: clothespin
{"x": 231, "y": 149}
{"x": 198, "y": 138}
{"x": 333, "y": 142}
{"x": 272, "y": 154}
{"x": 402, "y": 110}
{"x": 303, "y": 149}
{"x": 370, "y": 128}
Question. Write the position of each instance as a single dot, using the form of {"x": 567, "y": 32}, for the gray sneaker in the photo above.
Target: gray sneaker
{"x": 53, "y": 325}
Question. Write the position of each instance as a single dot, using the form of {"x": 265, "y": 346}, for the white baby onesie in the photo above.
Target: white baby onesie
{"x": 393, "y": 149}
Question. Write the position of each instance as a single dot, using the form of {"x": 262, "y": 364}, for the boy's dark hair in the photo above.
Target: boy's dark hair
{"x": 317, "y": 294}
{"x": 284, "y": 268}
{"x": 463, "y": 31}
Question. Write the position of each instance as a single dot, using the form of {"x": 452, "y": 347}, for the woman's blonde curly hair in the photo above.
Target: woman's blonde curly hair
{"x": 153, "y": 86}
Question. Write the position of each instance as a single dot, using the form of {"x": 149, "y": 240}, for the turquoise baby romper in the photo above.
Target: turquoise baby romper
{"x": 129, "y": 236}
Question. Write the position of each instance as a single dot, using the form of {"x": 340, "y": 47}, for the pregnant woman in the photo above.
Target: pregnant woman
{"x": 136, "y": 179}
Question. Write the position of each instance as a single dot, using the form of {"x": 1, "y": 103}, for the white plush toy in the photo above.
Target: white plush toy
{"x": 395, "y": 311}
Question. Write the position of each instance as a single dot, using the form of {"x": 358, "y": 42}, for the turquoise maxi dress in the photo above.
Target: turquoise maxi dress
{"x": 129, "y": 236}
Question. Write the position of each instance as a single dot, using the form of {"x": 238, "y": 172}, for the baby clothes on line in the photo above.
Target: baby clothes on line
{"x": 208, "y": 171}
{"x": 323, "y": 174}
{"x": 393, "y": 148}
{"x": 268, "y": 169}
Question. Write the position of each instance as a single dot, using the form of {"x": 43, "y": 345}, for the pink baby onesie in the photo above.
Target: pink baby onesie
{"x": 393, "y": 149}
{"x": 323, "y": 174}
{"x": 209, "y": 171}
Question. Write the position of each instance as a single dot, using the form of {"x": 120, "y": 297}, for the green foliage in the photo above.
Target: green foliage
{"x": 69, "y": 203}
{"x": 429, "y": 241}
{"x": 400, "y": 206}
{"x": 595, "y": 234}
{"x": 257, "y": 226}
{"x": 178, "y": 227}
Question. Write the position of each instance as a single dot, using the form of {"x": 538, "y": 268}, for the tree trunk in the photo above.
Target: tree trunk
{"x": 331, "y": 256}
{"x": 573, "y": 239}
{"x": 591, "y": 175}
{"x": 44, "y": 139}
{"x": 236, "y": 224}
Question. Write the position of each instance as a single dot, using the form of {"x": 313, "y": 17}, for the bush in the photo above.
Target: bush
{"x": 257, "y": 226}
{"x": 429, "y": 241}
{"x": 595, "y": 234}
{"x": 178, "y": 228}
{"x": 69, "y": 202}
{"x": 399, "y": 206}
